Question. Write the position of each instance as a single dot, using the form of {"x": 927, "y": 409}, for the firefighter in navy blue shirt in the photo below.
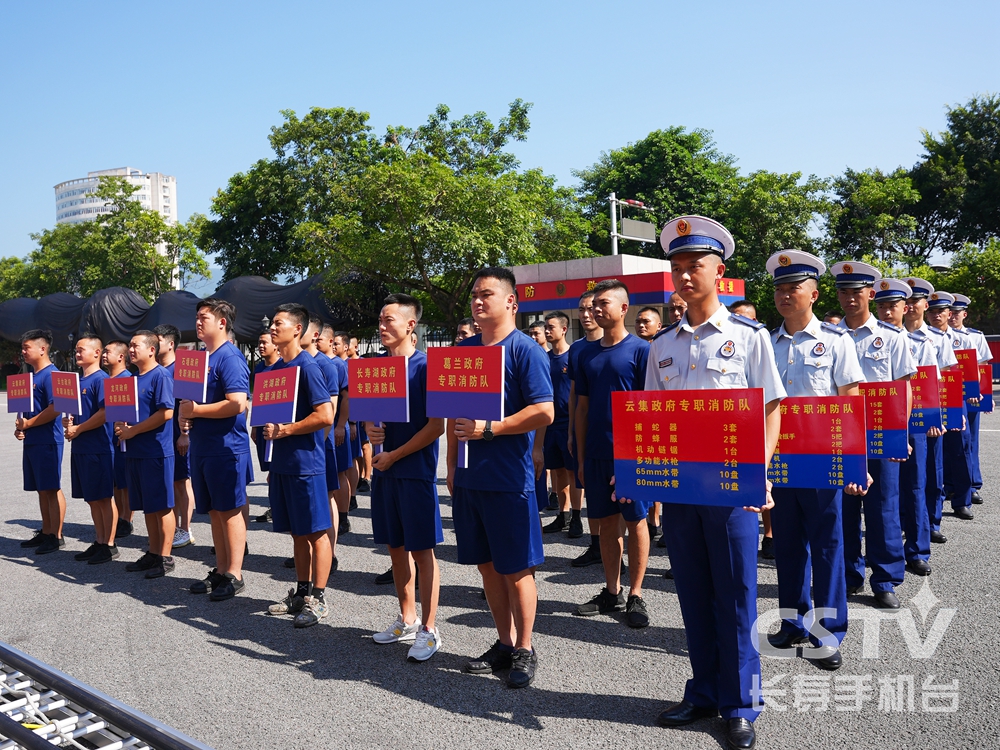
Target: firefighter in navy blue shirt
{"x": 558, "y": 460}
{"x": 41, "y": 433}
{"x": 713, "y": 549}
{"x": 813, "y": 359}
{"x": 493, "y": 500}
{"x": 268, "y": 359}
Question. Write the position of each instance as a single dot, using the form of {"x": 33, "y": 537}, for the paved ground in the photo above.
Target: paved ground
{"x": 235, "y": 678}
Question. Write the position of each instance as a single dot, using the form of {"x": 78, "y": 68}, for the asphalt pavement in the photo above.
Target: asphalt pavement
{"x": 234, "y": 677}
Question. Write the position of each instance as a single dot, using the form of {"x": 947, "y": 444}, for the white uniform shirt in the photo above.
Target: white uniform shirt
{"x": 817, "y": 360}
{"x": 882, "y": 350}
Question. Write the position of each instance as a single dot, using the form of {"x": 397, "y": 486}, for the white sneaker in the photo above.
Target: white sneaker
{"x": 182, "y": 538}
{"x": 398, "y": 631}
{"x": 428, "y": 643}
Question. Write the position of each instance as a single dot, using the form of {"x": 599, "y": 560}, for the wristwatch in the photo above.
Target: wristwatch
{"x": 488, "y": 431}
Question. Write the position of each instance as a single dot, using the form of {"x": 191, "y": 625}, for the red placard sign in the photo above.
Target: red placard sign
{"x": 822, "y": 444}
{"x": 968, "y": 360}
{"x": 191, "y": 375}
{"x": 926, "y": 389}
{"x": 66, "y": 394}
{"x": 952, "y": 399}
{"x": 886, "y": 419}
{"x": 20, "y": 393}
{"x": 121, "y": 401}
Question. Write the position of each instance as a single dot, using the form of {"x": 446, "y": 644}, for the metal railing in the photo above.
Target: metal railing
{"x": 41, "y": 708}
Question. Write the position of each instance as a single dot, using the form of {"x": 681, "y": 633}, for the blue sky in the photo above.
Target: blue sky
{"x": 191, "y": 89}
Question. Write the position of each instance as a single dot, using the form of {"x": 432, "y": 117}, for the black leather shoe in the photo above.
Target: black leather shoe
{"x": 938, "y": 538}
{"x": 685, "y": 712}
{"x": 886, "y": 600}
{"x": 977, "y": 499}
{"x": 965, "y": 513}
{"x": 662, "y": 541}
{"x": 782, "y": 639}
{"x": 830, "y": 663}
{"x": 854, "y": 590}
{"x": 919, "y": 567}
{"x": 669, "y": 574}
{"x": 740, "y": 735}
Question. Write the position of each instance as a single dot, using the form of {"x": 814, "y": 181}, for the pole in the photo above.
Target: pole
{"x": 613, "y": 200}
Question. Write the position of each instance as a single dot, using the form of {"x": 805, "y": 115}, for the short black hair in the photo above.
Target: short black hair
{"x": 560, "y": 316}
{"x": 537, "y": 324}
{"x": 91, "y": 337}
{"x": 220, "y": 308}
{"x": 467, "y": 322}
{"x": 652, "y": 310}
{"x": 297, "y": 313}
{"x": 500, "y": 274}
{"x": 344, "y": 336}
{"x": 316, "y": 320}
{"x": 117, "y": 345}
{"x": 406, "y": 300}
{"x": 37, "y": 334}
{"x": 609, "y": 285}
{"x": 149, "y": 339}
{"x": 742, "y": 303}
{"x": 326, "y": 327}
{"x": 170, "y": 332}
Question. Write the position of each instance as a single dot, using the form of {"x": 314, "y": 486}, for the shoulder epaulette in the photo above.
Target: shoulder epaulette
{"x": 890, "y": 326}
{"x": 914, "y": 336}
{"x": 938, "y": 331}
{"x": 831, "y": 328}
{"x": 774, "y": 331}
{"x": 756, "y": 325}
{"x": 973, "y": 330}
{"x": 662, "y": 331}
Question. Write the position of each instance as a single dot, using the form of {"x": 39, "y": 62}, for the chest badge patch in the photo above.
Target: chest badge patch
{"x": 728, "y": 349}
{"x": 956, "y": 344}
{"x": 820, "y": 349}
{"x": 877, "y": 343}
{"x": 666, "y": 362}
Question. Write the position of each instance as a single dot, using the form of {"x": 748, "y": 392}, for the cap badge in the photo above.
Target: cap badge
{"x": 934, "y": 296}
{"x": 877, "y": 343}
{"x": 820, "y": 349}
{"x": 911, "y": 282}
{"x": 784, "y": 260}
{"x": 728, "y": 349}
{"x": 848, "y": 268}
{"x": 683, "y": 227}
{"x": 884, "y": 285}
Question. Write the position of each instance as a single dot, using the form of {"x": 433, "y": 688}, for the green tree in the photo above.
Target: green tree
{"x": 873, "y": 212}
{"x": 13, "y": 277}
{"x": 975, "y": 272}
{"x": 673, "y": 171}
{"x": 959, "y": 177}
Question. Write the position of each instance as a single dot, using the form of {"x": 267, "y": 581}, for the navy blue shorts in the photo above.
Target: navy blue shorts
{"x": 150, "y": 484}
{"x": 597, "y": 473}
{"x": 332, "y": 479}
{"x": 557, "y": 455}
{"x": 405, "y": 512}
{"x": 356, "y": 444}
{"x": 542, "y": 492}
{"x": 299, "y": 504}
{"x": 220, "y": 482}
{"x": 182, "y": 467}
{"x": 343, "y": 452}
{"x": 42, "y": 467}
{"x": 121, "y": 470}
{"x": 261, "y": 452}
{"x": 92, "y": 475}
{"x": 497, "y": 527}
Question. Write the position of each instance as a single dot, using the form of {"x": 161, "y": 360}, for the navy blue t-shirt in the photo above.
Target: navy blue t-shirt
{"x": 45, "y": 434}
{"x": 576, "y": 349}
{"x": 603, "y": 370}
{"x": 423, "y": 463}
{"x": 97, "y": 440}
{"x": 504, "y": 463}
{"x": 227, "y": 373}
{"x": 303, "y": 455}
{"x": 559, "y": 373}
{"x": 156, "y": 391}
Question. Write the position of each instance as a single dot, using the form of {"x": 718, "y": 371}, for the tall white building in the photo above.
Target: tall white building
{"x": 75, "y": 201}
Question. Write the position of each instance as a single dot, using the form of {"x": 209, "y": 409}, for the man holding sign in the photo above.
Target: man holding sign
{"x": 220, "y": 448}
{"x": 41, "y": 432}
{"x": 405, "y": 512}
{"x": 959, "y": 312}
{"x": 713, "y": 549}
{"x": 91, "y": 454}
{"x": 496, "y": 516}
{"x": 885, "y": 357}
{"x": 813, "y": 359}
{"x": 297, "y": 488}
{"x": 149, "y": 456}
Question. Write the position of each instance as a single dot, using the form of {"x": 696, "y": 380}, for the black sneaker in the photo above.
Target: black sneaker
{"x": 662, "y": 541}
{"x": 334, "y": 565}
{"x": 767, "y": 548}
{"x": 668, "y": 574}
{"x": 105, "y": 554}
{"x": 148, "y": 561}
{"x": 163, "y": 566}
{"x": 227, "y": 589}
{"x": 264, "y": 517}
{"x": 553, "y": 502}
{"x": 655, "y": 532}
{"x": 364, "y": 485}
{"x": 209, "y": 583}
{"x": 635, "y": 612}
{"x": 522, "y": 668}
{"x": 383, "y": 578}
{"x": 123, "y": 529}
{"x": 35, "y": 541}
{"x": 354, "y": 503}
{"x": 51, "y": 544}
{"x": 603, "y": 603}
{"x": 87, "y": 553}
{"x": 575, "y": 527}
{"x": 289, "y": 562}
{"x": 496, "y": 658}
{"x": 344, "y": 527}
{"x": 557, "y": 525}
{"x": 591, "y": 557}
